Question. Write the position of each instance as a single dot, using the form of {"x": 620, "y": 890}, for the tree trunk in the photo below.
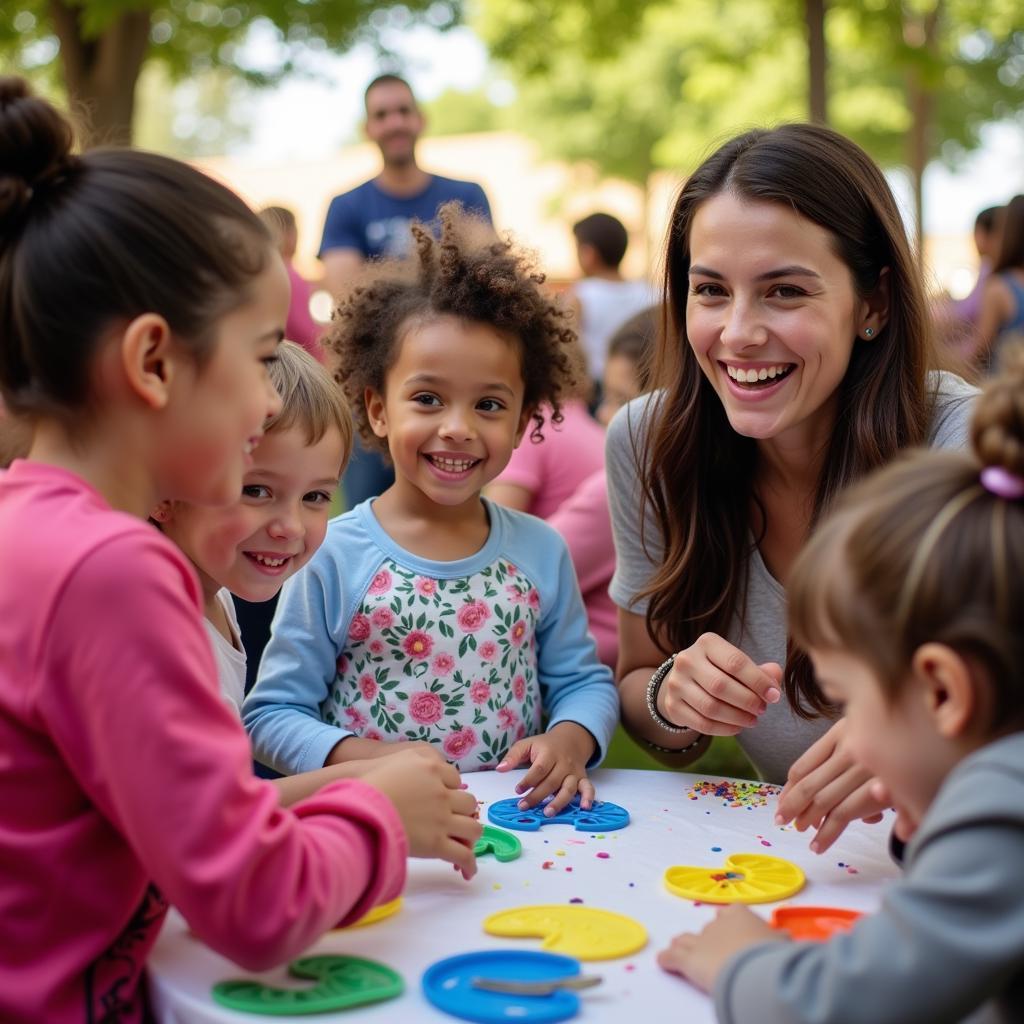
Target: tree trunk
{"x": 921, "y": 32}
{"x": 817, "y": 61}
{"x": 101, "y": 73}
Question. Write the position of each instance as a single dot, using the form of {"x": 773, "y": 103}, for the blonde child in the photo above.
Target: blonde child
{"x": 251, "y": 547}
{"x": 908, "y": 600}
{"x": 140, "y": 305}
{"x": 431, "y": 614}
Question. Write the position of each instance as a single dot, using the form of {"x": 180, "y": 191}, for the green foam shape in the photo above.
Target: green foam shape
{"x": 342, "y": 982}
{"x": 502, "y": 844}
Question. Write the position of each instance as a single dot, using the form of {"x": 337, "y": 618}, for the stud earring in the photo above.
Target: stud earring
{"x": 869, "y": 332}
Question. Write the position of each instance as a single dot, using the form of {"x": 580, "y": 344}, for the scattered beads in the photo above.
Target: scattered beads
{"x": 735, "y": 794}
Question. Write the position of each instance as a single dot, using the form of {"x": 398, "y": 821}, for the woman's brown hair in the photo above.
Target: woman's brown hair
{"x": 924, "y": 552}
{"x": 697, "y": 473}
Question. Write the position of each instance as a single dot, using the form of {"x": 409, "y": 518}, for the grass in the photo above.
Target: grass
{"x": 723, "y": 757}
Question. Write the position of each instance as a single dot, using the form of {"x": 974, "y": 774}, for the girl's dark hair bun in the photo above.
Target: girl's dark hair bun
{"x": 35, "y": 149}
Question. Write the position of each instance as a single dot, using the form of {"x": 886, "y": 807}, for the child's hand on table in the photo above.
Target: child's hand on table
{"x": 826, "y": 790}
{"x": 699, "y": 958}
{"x": 558, "y": 765}
{"x": 439, "y": 816}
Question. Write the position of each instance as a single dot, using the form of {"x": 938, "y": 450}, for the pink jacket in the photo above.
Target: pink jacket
{"x": 552, "y": 469}
{"x": 126, "y": 782}
{"x": 586, "y": 524}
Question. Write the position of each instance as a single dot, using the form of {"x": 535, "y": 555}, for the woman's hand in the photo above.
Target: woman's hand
{"x": 700, "y": 958}
{"x": 715, "y": 689}
{"x": 826, "y": 789}
{"x": 558, "y": 764}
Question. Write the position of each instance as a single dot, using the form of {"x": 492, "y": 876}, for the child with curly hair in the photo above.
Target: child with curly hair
{"x": 430, "y": 613}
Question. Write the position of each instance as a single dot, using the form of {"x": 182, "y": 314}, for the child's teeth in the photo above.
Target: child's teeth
{"x": 454, "y": 465}
{"x": 273, "y": 563}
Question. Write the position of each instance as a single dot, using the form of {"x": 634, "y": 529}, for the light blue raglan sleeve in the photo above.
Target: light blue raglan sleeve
{"x": 282, "y": 712}
{"x": 574, "y": 685}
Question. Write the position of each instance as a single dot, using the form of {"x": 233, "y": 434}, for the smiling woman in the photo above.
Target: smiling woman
{"x": 795, "y": 357}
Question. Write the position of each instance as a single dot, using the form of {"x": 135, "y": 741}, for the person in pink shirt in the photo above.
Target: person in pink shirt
{"x": 541, "y": 475}
{"x": 300, "y": 326}
{"x": 140, "y": 303}
{"x": 584, "y": 519}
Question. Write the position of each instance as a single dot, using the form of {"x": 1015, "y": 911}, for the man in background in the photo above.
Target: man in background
{"x": 372, "y": 221}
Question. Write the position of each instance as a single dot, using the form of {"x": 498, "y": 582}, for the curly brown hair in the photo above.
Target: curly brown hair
{"x": 491, "y": 283}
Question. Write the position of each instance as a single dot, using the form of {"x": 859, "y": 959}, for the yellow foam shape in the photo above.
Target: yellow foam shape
{"x": 378, "y": 913}
{"x": 583, "y": 932}
{"x": 760, "y": 879}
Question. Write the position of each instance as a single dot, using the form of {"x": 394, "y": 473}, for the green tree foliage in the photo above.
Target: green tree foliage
{"x": 639, "y": 84}
{"x": 97, "y": 48}
{"x": 461, "y": 112}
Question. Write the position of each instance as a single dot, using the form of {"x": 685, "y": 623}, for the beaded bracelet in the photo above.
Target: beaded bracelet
{"x": 652, "y": 708}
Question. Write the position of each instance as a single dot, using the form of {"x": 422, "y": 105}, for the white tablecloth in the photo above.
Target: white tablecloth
{"x": 442, "y": 914}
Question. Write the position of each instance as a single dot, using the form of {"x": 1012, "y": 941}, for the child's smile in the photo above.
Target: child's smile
{"x": 254, "y": 545}
{"x": 451, "y": 466}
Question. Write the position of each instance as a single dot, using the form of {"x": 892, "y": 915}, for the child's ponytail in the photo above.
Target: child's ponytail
{"x": 35, "y": 158}
{"x": 88, "y": 243}
{"x": 997, "y": 431}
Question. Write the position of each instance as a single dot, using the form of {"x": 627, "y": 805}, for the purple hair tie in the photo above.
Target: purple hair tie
{"x": 1002, "y": 483}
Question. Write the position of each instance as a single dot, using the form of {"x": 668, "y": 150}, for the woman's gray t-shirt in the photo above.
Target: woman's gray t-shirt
{"x": 780, "y": 736}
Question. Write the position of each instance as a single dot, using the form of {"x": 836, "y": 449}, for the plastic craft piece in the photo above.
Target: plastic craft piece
{"x": 378, "y": 913}
{"x": 502, "y": 844}
{"x": 745, "y": 878}
{"x": 343, "y": 982}
{"x": 815, "y": 924}
{"x": 448, "y": 985}
{"x": 604, "y": 816}
{"x": 586, "y": 933}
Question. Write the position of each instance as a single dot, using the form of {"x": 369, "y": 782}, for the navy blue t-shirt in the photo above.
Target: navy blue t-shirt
{"x": 377, "y": 224}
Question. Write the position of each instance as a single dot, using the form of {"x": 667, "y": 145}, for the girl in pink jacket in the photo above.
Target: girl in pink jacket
{"x": 140, "y": 304}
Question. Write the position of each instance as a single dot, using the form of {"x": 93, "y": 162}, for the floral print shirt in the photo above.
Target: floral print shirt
{"x": 469, "y": 655}
{"x": 448, "y": 661}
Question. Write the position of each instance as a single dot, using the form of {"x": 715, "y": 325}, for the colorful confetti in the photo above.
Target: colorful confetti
{"x": 735, "y": 794}
{"x": 575, "y": 899}
{"x": 604, "y": 856}
{"x": 548, "y": 865}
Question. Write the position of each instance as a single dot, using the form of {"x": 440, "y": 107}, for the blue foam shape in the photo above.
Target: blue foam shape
{"x": 448, "y": 986}
{"x": 604, "y": 816}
